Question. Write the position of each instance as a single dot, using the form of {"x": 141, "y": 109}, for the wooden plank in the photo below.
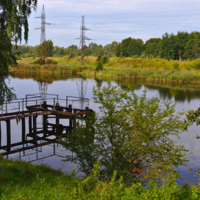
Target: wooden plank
{"x": 62, "y": 113}
{"x": 22, "y": 112}
{"x": 28, "y": 115}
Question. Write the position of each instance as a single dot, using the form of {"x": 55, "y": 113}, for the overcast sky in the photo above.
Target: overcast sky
{"x": 113, "y": 20}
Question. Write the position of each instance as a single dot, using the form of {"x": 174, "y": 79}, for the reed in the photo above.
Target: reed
{"x": 121, "y": 68}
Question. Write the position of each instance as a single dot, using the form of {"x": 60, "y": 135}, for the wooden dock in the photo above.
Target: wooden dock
{"x": 32, "y": 106}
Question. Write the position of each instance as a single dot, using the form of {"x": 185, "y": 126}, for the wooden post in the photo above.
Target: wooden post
{"x": 23, "y": 130}
{"x": 0, "y": 133}
{"x": 6, "y": 106}
{"x": 34, "y": 124}
{"x": 74, "y": 122}
{"x": 66, "y": 102}
{"x": 8, "y": 135}
{"x": 57, "y": 124}
{"x": 70, "y": 122}
{"x": 54, "y": 104}
{"x": 70, "y": 119}
{"x": 45, "y": 125}
{"x": 30, "y": 124}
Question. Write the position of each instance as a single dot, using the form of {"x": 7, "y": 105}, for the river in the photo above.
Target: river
{"x": 185, "y": 97}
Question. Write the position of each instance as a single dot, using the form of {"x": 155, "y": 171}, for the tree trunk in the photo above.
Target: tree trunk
{"x": 179, "y": 54}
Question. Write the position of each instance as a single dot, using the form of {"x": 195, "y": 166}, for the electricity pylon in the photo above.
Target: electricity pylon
{"x": 83, "y": 38}
{"x": 43, "y": 48}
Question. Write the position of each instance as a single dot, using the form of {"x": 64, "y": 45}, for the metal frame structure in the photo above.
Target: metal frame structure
{"x": 83, "y": 38}
{"x": 43, "y": 48}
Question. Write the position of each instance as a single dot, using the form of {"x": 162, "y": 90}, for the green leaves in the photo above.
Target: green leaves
{"x": 130, "y": 136}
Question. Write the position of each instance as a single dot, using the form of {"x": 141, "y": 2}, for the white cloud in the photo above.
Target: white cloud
{"x": 116, "y": 19}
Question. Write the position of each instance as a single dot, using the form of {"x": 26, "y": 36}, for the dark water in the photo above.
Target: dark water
{"x": 185, "y": 97}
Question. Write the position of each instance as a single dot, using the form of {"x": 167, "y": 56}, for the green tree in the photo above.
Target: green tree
{"x": 13, "y": 18}
{"x": 36, "y": 50}
{"x": 122, "y": 49}
{"x": 49, "y": 46}
{"x": 130, "y": 135}
{"x": 113, "y": 47}
{"x": 152, "y": 47}
{"x": 136, "y": 47}
{"x": 181, "y": 40}
{"x": 192, "y": 49}
{"x": 168, "y": 47}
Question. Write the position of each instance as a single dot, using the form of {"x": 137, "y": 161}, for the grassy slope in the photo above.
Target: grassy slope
{"x": 22, "y": 180}
{"x": 122, "y": 68}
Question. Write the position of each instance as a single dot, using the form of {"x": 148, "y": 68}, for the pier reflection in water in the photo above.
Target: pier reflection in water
{"x": 29, "y": 112}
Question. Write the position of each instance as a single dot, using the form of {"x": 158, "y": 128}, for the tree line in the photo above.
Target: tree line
{"x": 171, "y": 47}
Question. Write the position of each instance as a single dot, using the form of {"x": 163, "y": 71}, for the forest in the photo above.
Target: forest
{"x": 183, "y": 46}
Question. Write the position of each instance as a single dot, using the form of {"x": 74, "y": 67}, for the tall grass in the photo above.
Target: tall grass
{"x": 122, "y": 68}
{"x": 22, "y": 180}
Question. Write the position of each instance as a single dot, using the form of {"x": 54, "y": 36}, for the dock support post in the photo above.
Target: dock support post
{"x": 57, "y": 124}
{"x": 8, "y": 135}
{"x": 0, "y": 133}
{"x": 34, "y": 127}
{"x": 23, "y": 130}
{"x": 30, "y": 124}
{"x": 45, "y": 125}
{"x": 74, "y": 122}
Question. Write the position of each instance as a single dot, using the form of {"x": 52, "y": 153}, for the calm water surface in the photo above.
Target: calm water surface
{"x": 185, "y": 97}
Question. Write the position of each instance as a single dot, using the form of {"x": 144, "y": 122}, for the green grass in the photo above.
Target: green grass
{"x": 121, "y": 68}
{"x": 22, "y": 180}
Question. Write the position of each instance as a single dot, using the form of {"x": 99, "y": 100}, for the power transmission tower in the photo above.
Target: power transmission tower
{"x": 43, "y": 48}
{"x": 82, "y": 45}
{"x": 82, "y": 88}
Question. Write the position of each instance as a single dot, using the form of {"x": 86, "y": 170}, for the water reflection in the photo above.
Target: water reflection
{"x": 185, "y": 96}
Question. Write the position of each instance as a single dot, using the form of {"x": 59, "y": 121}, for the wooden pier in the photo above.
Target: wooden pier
{"x": 32, "y": 106}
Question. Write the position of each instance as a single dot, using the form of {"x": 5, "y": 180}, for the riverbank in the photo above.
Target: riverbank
{"x": 156, "y": 70}
{"x": 22, "y": 180}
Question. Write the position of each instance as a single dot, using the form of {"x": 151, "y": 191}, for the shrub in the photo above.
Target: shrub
{"x": 175, "y": 65}
{"x": 99, "y": 66}
{"x": 39, "y": 61}
{"x": 51, "y": 61}
{"x": 105, "y": 59}
{"x": 99, "y": 58}
{"x": 72, "y": 55}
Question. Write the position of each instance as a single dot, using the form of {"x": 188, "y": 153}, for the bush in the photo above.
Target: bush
{"x": 99, "y": 58}
{"x": 105, "y": 59}
{"x": 130, "y": 135}
{"x": 39, "y": 61}
{"x": 51, "y": 61}
{"x": 72, "y": 55}
{"x": 176, "y": 65}
{"x": 99, "y": 66}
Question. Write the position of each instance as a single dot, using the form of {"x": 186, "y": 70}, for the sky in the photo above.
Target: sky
{"x": 113, "y": 20}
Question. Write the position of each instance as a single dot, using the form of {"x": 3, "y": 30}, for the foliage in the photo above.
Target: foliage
{"x": 131, "y": 137}
{"x": 13, "y": 18}
{"x": 22, "y": 180}
{"x": 72, "y": 55}
{"x": 49, "y": 46}
{"x": 99, "y": 66}
{"x": 39, "y": 61}
{"x": 51, "y": 61}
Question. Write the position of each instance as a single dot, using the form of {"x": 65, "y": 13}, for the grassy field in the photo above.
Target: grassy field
{"x": 22, "y": 180}
{"x": 158, "y": 70}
